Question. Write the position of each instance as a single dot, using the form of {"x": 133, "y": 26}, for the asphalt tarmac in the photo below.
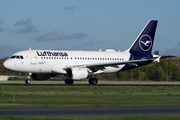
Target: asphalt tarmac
{"x": 14, "y": 84}
{"x": 91, "y": 111}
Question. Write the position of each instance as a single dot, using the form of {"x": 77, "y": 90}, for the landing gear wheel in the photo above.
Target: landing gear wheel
{"x": 93, "y": 81}
{"x": 28, "y": 81}
{"x": 69, "y": 81}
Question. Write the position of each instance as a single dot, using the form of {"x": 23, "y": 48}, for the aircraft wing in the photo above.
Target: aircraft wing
{"x": 131, "y": 62}
{"x": 105, "y": 64}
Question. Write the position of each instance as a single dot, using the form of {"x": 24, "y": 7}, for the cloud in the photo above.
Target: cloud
{"x": 8, "y": 50}
{"x": 91, "y": 42}
{"x": 102, "y": 41}
{"x": 168, "y": 50}
{"x": 59, "y": 36}
{"x": 24, "y": 22}
{"x": 28, "y": 27}
{"x": 70, "y": 8}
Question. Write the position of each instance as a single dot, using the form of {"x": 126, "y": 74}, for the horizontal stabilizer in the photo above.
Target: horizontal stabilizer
{"x": 168, "y": 56}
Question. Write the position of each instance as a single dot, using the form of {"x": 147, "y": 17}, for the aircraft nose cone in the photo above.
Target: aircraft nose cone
{"x": 7, "y": 65}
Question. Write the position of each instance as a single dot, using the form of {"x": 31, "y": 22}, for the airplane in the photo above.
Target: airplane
{"x": 78, "y": 65}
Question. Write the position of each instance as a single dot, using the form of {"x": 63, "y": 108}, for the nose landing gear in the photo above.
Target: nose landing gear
{"x": 28, "y": 81}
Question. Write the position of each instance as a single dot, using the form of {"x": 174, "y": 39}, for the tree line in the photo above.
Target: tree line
{"x": 165, "y": 70}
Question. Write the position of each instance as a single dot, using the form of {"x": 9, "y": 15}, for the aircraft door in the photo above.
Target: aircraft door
{"x": 33, "y": 58}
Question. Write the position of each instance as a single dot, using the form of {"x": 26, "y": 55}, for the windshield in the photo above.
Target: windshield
{"x": 17, "y": 57}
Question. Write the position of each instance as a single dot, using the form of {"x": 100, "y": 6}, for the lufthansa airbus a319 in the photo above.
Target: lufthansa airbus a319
{"x": 77, "y": 65}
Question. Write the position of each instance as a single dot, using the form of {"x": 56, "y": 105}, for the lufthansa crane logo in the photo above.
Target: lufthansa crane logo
{"x": 145, "y": 42}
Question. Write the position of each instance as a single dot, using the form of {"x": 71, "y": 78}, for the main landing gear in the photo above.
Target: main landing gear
{"x": 92, "y": 81}
{"x": 69, "y": 81}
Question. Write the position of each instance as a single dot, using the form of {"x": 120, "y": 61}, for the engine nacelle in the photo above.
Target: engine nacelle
{"x": 41, "y": 76}
{"x": 77, "y": 73}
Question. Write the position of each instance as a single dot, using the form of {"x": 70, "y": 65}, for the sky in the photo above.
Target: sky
{"x": 86, "y": 24}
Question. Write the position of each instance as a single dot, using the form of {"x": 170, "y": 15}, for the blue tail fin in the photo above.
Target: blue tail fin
{"x": 144, "y": 42}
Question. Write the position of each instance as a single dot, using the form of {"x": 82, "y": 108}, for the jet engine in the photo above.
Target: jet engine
{"x": 77, "y": 73}
{"x": 41, "y": 76}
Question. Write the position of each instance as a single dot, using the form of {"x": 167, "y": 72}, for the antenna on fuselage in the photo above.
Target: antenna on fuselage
{"x": 30, "y": 48}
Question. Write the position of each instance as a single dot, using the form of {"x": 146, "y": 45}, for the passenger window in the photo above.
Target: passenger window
{"x": 21, "y": 57}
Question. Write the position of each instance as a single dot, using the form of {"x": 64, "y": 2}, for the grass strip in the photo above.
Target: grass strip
{"x": 88, "y": 96}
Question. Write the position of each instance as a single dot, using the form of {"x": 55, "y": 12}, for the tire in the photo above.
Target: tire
{"x": 28, "y": 81}
{"x": 69, "y": 81}
{"x": 93, "y": 81}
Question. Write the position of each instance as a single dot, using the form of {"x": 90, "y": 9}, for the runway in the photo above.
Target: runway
{"x": 91, "y": 111}
{"x": 90, "y": 85}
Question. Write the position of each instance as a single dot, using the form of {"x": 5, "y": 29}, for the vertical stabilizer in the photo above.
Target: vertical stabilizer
{"x": 144, "y": 42}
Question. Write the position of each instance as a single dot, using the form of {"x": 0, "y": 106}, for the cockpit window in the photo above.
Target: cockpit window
{"x": 17, "y": 57}
{"x": 13, "y": 57}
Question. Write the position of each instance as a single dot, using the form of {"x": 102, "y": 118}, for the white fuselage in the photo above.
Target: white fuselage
{"x": 55, "y": 61}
